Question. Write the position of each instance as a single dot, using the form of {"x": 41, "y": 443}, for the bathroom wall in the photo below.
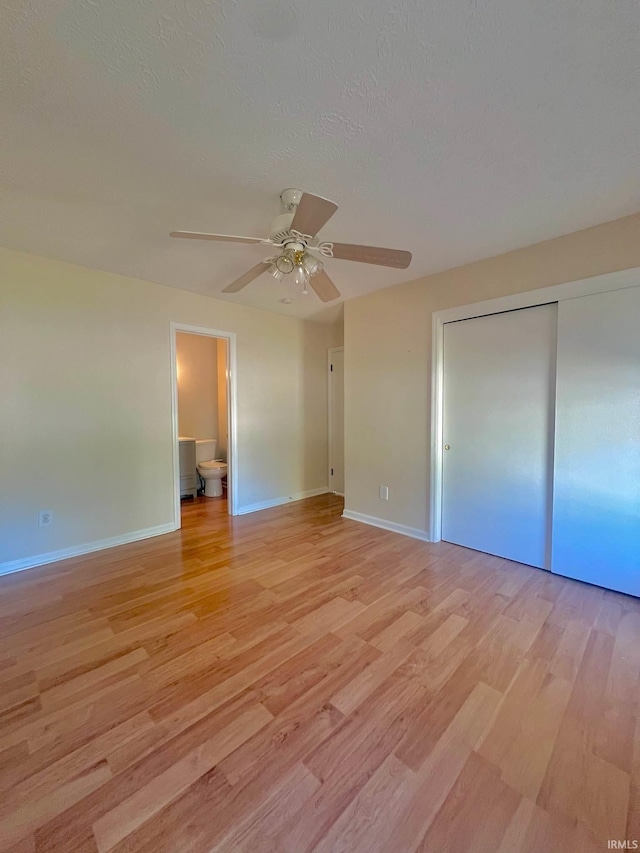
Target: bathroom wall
{"x": 223, "y": 437}
{"x": 85, "y": 420}
{"x": 197, "y": 358}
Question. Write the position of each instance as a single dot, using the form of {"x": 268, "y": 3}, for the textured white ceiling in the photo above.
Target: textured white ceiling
{"x": 457, "y": 129}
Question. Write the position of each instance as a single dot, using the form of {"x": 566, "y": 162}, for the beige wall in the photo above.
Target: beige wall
{"x": 223, "y": 414}
{"x": 197, "y": 357}
{"x": 85, "y": 427}
{"x": 388, "y": 358}
{"x": 336, "y": 331}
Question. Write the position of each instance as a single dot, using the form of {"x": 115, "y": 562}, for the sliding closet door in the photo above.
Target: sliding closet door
{"x": 498, "y": 432}
{"x": 596, "y": 517}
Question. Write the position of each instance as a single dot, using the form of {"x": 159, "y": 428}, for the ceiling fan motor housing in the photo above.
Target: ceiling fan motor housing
{"x": 281, "y": 224}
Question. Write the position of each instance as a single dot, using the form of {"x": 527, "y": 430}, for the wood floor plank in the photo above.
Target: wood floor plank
{"x": 345, "y": 762}
{"x": 532, "y": 830}
{"x": 292, "y": 681}
{"x": 397, "y": 630}
{"x": 258, "y": 830}
{"x": 537, "y": 721}
{"x": 37, "y": 775}
{"x": 32, "y": 814}
{"x": 349, "y": 697}
{"x": 133, "y": 812}
{"x": 578, "y": 784}
{"x": 477, "y": 812}
{"x": 401, "y": 804}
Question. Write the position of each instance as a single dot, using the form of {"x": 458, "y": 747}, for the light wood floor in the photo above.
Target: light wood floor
{"x": 292, "y": 681}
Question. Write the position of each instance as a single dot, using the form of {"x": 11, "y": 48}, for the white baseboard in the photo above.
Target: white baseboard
{"x": 413, "y": 532}
{"x": 299, "y": 496}
{"x": 12, "y": 566}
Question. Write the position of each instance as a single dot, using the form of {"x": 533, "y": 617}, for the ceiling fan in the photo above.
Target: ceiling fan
{"x": 300, "y": 251}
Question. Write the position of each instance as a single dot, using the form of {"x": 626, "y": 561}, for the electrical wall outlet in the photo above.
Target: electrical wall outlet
{"x": 383, "y": 493}
{"x": 45, "y": 518}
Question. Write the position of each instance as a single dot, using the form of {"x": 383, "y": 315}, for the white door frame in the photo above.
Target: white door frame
{"x": 330, "y": 352}
{"x": 554, "y": 293}
{"x": 232, "y": 452}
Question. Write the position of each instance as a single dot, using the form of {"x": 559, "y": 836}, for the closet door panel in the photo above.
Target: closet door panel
{"x": 499, "y": 373}
{"x": 596, "y": 505}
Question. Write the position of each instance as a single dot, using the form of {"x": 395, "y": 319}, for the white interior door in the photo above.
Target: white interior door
{"x": 336, "y": 420}
{"x": 499, "y": 386}
{"x": 596, "y": 517}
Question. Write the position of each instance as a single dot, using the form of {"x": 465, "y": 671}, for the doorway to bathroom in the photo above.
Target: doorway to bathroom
{"x": 203, "y": 418}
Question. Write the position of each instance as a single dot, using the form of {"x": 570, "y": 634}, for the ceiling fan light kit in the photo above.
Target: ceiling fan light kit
{"x": 301, "y": 252}
{"x": 284, "y": 264}
{"x": 297, "y": 261}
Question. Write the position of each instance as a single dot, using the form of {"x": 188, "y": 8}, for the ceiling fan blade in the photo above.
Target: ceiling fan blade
{"x": 226, "y": 238}
{"x": 372, "y": 255}
{"x": 312, "y": 213}
{"x": 324, "y": 287}
{"x": 246, "y": 279}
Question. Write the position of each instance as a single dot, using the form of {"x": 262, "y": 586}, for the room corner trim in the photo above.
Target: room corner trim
{"x": 12, "y": 566}
{"x": 413, "y": 532}
{"x": 298, "y": 496}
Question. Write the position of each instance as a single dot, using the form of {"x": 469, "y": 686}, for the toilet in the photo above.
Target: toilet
{"x": 211, "y": 470}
